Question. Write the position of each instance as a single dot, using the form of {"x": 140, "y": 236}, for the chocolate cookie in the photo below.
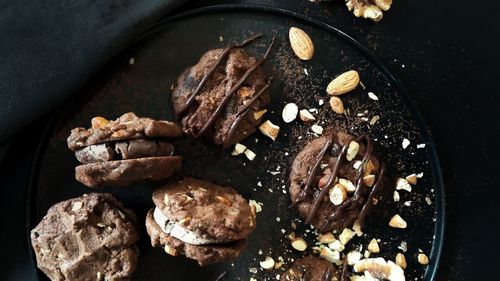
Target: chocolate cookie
{"x": 310, "y": 268}
{"x": 92, "y": 237}
{"x": 201, "y": 220}
{"x": 125, "y": 150}
{"x": 334, "y": 180}
{"x": 123, "y": 172}
{"x": 223, "y": 96}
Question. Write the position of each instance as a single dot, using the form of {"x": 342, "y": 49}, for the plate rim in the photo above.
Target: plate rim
{"x": 440, "y": 195}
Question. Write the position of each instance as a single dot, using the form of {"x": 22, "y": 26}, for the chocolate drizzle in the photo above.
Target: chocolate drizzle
{"x": 344, "y": 276}
{"x": 219, "y": 109}
{"x": 242, "y": 113}
{"x": 356, "y": 203}
{"x": 231, "y": 91}
{"x": 217, "y": 62}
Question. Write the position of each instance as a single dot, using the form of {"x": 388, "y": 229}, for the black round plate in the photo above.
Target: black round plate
{"x": 144, "y": 88}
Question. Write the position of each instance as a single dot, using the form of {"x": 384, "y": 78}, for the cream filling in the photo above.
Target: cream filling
{"x": 174, "y": 229}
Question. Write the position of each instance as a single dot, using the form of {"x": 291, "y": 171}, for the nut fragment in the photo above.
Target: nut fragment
{"x": 401, "y": 260}
{"x": 329, "y": 255}
{"x": 384, "y": 5}
{"x": 258, "y": 114}
{"x": 397, "y": 222}
{"x": 99, "y": 276}
{"x": 245, "y": 92}
{"x": 380, "y": 269}
{"x": 395, "y": 196}
{"x": 344, "y": 83}
{"x": 374, "y": 120}
{"x": 118, "y": 134}
{"x": 423, "y": 259}
{"x": 223, "y": 200}
{"x": 346, "y": 235}
{"x": 372, "y": 12}
{"x": 77, "y": 206}
{"x": 269, "y": 129}
{"x": 353, "y": 257}
{"x": 402, "y": 184}
{"x": 290, "y": 112}
{"x": 317, "y": 129}
{"x": 267, "y": 264}
{"x": 299, "y": 244}
{"x": 357, "y": 228}
{"x": 336, "y": 246}
{"x": 238, "y": 149}
{"x": 352, "y": 150}
{"x": 412, "y": 179}
{"x": 369, "y": 180}
{"x": 171, "y": 251}
{"x": 348, "y": 185}
{"x": 326, "y": 238}
{"x": 337, "y": 105}
{"x": 301, "y": 43}
{"x": 306, "y": 116}
{"x": 250, "y": 154}
{"x": 323, "y": 181}
{"x": 185, "y": 220}
{"x": 373, "y": 246}
{"x": 372, "y": 96}
{"x": 405, "y": 143}
{"x": 337, "y": 194}
{"x": 256, "y": 207}
{"x": 99, "y": 122}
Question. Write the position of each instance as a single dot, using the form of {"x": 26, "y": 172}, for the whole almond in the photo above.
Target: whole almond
{"x": 301, "y": 43}
{"x": 337, "y": 105}
{"x": 344, "y": 83}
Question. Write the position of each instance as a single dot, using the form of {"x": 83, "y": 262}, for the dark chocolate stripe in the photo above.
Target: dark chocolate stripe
{"x": 242, "y": 113}
{"x": 312, "y": 173}
{"x": 368, "y": 204}
{"x": 344, "y": 276}
{"x": 219, "y": 60}
{"x": 331, "y": 180}
{"x": 305, "y": 273}
{"x": 328, "y": 274}
{"x": 230, "y": 93}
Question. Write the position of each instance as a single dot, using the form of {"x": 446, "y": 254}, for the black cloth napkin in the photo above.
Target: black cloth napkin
{"x": 49, "y": 48}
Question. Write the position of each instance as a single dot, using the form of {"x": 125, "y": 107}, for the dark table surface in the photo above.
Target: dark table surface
{"x": 445, "y": 53}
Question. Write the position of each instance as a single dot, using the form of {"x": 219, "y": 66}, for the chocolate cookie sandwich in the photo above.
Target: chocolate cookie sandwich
{"x": 203, "y": 221}
{"x": 311, "y": 268}
{"x": 335, "y": 179}
{"x": 124, "y": 150}
{"x": 92, "y": 237}
{"x": 224, "y": 96}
